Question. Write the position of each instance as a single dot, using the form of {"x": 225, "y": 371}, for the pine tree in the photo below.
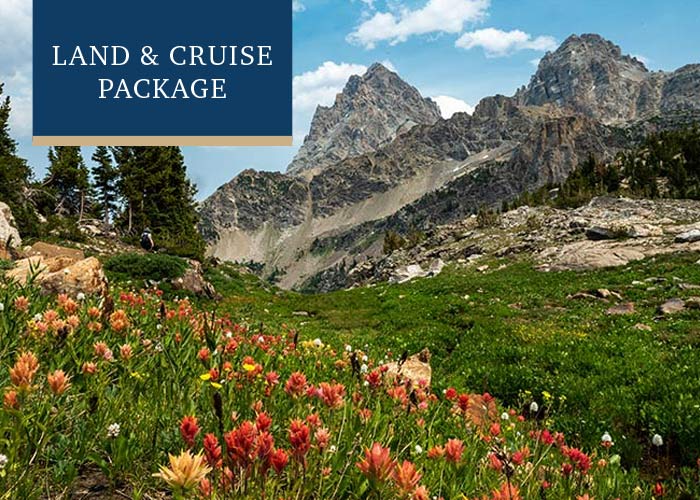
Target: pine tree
{"x": 105, "y": 177}
{"x": 68, "y": 180}
{"x": 157, "y": 194}
{"x": 15, "y": 176}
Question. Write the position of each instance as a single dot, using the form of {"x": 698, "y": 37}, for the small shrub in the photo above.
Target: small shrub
{"x": 393, "y": 241}
{"x": 155, "y": 267}
{"x": 487, "y": 217}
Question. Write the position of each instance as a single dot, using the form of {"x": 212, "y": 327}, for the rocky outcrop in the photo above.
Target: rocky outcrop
{"x": 61, "y": 274}
{"x": 370, "y": 112}
{"x": 9, "y": 235}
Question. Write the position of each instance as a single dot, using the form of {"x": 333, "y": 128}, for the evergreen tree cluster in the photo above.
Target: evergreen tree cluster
{"x": 129, "y": 188}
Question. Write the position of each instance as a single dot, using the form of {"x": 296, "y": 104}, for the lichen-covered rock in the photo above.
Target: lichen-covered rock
{"x": 415, "y": 369}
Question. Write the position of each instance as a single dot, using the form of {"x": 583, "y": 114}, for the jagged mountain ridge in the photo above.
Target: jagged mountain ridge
{"x": 591, "y": 75}
{"x": 438, "y": 173}
{"x": 371, "y": 111}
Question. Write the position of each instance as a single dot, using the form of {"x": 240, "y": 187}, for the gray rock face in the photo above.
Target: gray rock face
{"x": 8, "y": 228}
{"x": 370, "y": 112}
{"x": 591, "y": 75}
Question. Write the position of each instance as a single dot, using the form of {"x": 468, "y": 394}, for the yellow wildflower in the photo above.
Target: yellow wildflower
{"x": 185, "y": 471}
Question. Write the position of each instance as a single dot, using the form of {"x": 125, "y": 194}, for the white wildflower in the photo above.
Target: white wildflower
{"x": 363, "y": 368}
{"x": 657, "y": 440}
{"x": 332, "y": 448}
{"x": 80, "y": 296}
{"x": 534, "y": 407}
{"x": 505, "y": 416}
{"x": 113, "y": 430}
{"x": 348, "y": 348}
{"x": 2, "y": 307}
{"x": 159, "y": 347}
{"x": 606, "y": 438}
{"x": 365, "y": 383}
{"x": 3, "y": 461}
{"x": 318, "y": 342}
{"x": 38, "y": 317}
{"x": 364, "y": 358}
{"x": 418, "y": 449}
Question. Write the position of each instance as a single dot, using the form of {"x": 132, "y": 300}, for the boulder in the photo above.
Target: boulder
{"x": 597, "y": 233}
{"x": 193, "y": 281}
{"x": 692, "y": 303}
{"x": 416, "y": 369}
{"x": 689, "y": 236}
{"x": 672, "y": 306}
{"x": 586, "y": 255}
{"x": 621, "y": 309}
{"x": 9, "y": 235}
{"x": 62, "y": 274}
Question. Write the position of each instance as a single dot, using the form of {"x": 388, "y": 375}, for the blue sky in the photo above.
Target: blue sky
{"x": 460, "y": 50}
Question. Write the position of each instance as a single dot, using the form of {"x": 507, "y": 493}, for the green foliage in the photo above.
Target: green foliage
{"x": 105, "y": 177}
{"x": 393, "y": 241}
{"x": 153, "y": 267}
{"x": 68, "y": 181}
{"x": 15, "y": 176}
{"x": 157, "y": 194}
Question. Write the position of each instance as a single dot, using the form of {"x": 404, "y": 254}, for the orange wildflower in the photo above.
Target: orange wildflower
{"x": 59, "y": 382}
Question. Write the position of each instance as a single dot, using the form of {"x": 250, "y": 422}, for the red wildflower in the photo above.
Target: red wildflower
{"x": 495, "y": 429}
{"x": 377, "y": 464}
{"x": 374, "y": 379}
{"x": 264, "y": 448}
{"x": 322, "y": 437}
{"x": 454, "y": 449}
{"x": 296, "y": 384}
{"x": 263, "y": 422}
{"x": 212, "y": 451}
{"x": 22, "y": 303}
{"x": 279, "y": 459}
{"x": 203, "y": 354}
{"x": 406, "y": 476}
{"x": 451, "y": 394}
{"x": 299, "y": 438}
{"x": 332, "y": 394}
{"x": 578, "y": 458}
{"x": 239, "y": 443}
{"x": 463, "y": 402}
{"x": 365, "y": 415}
{"x": 189, "y": 428}
{"x": 420, "y": 493}
{"x": 436, "y": 452}
{"x": 495, "y": 463}
{"x": 658, "y": 490}
{"x": 520, "y": 456}
{"x": 10, "y": 400}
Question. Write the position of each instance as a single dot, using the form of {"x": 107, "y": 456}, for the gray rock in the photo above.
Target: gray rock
{"x": 689, "y": 236}
{"x": 8, "y": 228}
{"x": 621, "y": 309}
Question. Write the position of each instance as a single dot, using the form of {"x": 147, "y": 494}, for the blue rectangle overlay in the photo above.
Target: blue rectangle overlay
{"x": 206, "y": 68}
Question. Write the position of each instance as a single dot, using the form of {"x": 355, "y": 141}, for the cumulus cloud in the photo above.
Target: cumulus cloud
{"x": 321, "y": 85}
{"x": 451, "y": 105}
{"x": 436, "y": 16}
{"x": 15, "y": 61}
{"x": 297, "y": 6}
{"x": 498, "y": 43}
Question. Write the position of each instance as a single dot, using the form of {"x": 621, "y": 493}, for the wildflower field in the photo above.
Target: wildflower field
{"x": 283, "y": 396}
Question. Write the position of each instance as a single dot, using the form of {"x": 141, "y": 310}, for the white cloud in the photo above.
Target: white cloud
{"x": 536, "y": 62}
{"x": 297, "y": 6}
{"x": 437, "y": 16}
{"x": 15, "y": 62}
{"x": 451, "y": 105}
{"x": 497, "y": 43}
{"x": 321, "y": 85}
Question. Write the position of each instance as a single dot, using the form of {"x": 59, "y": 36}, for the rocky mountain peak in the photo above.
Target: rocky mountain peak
{"x": 371, "y": 111}
{"x": 592, "y": 76}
